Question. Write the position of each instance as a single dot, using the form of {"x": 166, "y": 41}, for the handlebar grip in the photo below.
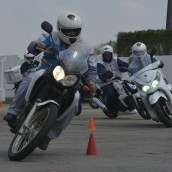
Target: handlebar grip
{"x": 40, "y": 49}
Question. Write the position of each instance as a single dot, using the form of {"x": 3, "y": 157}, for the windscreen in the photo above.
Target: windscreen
{"x": 139, "y": 63}
{"x": 75, "y": 58}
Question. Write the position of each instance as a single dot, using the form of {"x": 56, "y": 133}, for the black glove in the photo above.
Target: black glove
{"x": 153, "y": 51}
{"x": 161, "y": 65}
{"x": 108, "y": 74}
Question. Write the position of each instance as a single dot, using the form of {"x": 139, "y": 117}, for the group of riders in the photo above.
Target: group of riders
{"x": 69, "y": 27}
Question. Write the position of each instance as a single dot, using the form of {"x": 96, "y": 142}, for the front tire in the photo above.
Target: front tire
{"x": 111, "y": 115}
{"x": 93, "y": 104}
{"x": 143, "y": 113}
{"x": 141, "y": 109}
{"x": 162, "y": 109}
{"x": 38, "y": 127}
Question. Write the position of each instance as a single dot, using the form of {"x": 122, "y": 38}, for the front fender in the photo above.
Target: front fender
{"x": 48, "y": 101}
{"x": 153, "y": 98}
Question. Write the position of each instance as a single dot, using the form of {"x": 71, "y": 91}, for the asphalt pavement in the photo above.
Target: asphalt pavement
{"x": 126, "y": 144}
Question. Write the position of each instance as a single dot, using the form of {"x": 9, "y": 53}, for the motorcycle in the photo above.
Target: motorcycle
{"x": 85, "y": 96}
{"x": 154, "y": 89}
{"x": 131, "y": 102}
{"x": 51, "y": 95}
{"x": 17, "y": 84}
{"x": 14, "y": 76}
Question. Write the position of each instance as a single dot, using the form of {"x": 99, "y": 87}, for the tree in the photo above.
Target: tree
{"x": 97, "y": 49}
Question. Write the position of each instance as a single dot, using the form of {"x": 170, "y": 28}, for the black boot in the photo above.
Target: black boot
{"x": 44, "y": 144}
{"x": 11, "y": 119}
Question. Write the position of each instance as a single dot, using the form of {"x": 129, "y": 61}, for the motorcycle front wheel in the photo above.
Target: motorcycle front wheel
{"x": 163, "y": 111}
{"x": 93, "y": 104}
{"x": 143, "y": 113}
{"x": 33, "y": 133}
{"x": 111, "y": 115}
{"x": 142, "y": 110}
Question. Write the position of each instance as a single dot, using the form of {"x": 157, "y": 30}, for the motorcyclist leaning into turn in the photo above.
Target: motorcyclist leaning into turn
{"x": 69, "y": 26}
{"x": 140, "y": 58}
{"x": 112, "y": 90}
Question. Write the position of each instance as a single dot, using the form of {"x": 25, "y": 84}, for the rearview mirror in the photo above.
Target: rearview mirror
{"x": 46, "y": 26}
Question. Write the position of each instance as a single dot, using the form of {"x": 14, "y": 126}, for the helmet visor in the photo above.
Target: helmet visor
{"x": 29, "y": 58}
{"x": 139, "y": 53}
{"x": 107, "y": 54}
{"x": 71, "y": 32}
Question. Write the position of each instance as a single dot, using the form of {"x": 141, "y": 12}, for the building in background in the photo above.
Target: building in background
{"x": 7, "y": 62}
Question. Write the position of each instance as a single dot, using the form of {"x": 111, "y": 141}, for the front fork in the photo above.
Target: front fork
{"x": 34, "y": 102}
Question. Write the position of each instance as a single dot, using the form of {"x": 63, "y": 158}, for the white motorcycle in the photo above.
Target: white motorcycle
{"x": 154, "y": 90}
{"x": 130, "y": 102}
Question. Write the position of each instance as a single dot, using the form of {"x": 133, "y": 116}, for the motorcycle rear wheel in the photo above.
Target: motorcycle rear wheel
{"x": 162, "y": 109}
{"x": 24, "y": 143}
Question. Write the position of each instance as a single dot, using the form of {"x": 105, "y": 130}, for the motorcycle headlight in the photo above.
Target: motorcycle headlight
{"x": 155, "y": 83}
{"x": 58, "y": 73}
{"x": 145, "y": 88}
{"x": 69, "y": 80}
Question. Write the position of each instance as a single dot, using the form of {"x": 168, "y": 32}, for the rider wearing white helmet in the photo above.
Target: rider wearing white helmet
{"x": 69, "y": 28}
{"x": 29, "y": 58}
{"x": 107, "y": 53}
{"x": 139, "y": 49}
{"x": 139, "y": 52}
{"x": 109, "y": 62}
{"x": 30, "y": 63}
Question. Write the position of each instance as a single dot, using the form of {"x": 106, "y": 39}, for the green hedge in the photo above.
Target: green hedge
{"x": 162, "y": 39}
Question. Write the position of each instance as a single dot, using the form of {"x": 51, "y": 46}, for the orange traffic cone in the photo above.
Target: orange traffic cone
{"x": 0, "y": 103}
{"x": 91, "y": 148}
{"x": 92, "y": 124}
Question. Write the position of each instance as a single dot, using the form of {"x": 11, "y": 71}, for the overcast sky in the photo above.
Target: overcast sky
{"x": 102, "y": 20}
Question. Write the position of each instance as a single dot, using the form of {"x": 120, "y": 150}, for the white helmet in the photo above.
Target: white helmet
{"x": 107, "y": 49}
{"x": 29, "y": 58}
{"x": 139, "y": 49}
{"x": 69, "y": 22}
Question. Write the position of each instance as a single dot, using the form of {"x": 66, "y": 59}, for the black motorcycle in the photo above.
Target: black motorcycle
{"x": 49, "y": 98}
